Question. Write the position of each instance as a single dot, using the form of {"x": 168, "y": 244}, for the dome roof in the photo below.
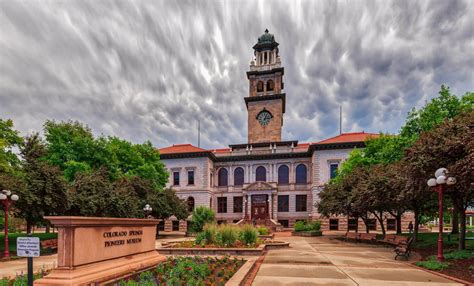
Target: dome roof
{"x": 266, "y": 42}
{"x": 266, "y": 38}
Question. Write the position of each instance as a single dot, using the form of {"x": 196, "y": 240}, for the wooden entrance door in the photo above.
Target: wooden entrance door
{"x": 259, "y": 207}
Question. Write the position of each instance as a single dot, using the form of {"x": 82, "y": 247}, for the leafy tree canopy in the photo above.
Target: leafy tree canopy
{"x": 446, "y": 105}
{"x": 9, "y": 138}
{"x": 73, "y": 148}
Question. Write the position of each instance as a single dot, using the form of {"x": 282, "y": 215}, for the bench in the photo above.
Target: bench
{"x": 370, "y": 237}
{"x": 403, "y": 248}
{"x": 49, "y": 243}
{"x": 393, "y": 239}
{"x": 352, "y": 236}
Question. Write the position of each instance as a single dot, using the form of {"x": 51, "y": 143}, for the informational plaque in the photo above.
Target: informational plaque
{"x": 28, "y": 246}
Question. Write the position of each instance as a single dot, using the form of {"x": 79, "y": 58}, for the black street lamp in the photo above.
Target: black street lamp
{"x": 147, "y": 210}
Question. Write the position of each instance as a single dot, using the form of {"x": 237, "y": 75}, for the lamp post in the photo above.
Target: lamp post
{"x": 7, "y": 199}
{"x": 439, "y": 184}
{"x": 147, "y": 210}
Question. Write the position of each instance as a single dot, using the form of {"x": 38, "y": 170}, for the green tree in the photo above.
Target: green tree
{"x": 446, "y": 105}
{"x": 9, "y": 139}
{"x": 45, "y": 190}
{"x": 450, "y": 145}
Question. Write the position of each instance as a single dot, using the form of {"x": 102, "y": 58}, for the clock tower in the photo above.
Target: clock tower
{"x": 266, "y": 102}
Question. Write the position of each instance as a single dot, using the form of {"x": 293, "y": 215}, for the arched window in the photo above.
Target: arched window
{"x": 260, "y": 86}
{"x": 301, "y": 174}
{"x": 222, "y": 177}
{"x": 261, "y": 174}
{"x": 238, "y": 176}
{"x": 270, "y": 85}
{"x": 283, "y": 175}
{"x": 190, "y": 204}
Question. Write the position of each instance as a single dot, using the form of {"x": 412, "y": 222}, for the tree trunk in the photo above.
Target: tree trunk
{"x": 48, "y": 228}
{"x": 29, "y": 226}
{"x": 398, "y": 217}
{"x": 462, "y": 232}
{"x": 455, "y": 221}
{"x": 416, "y": 226}
{"x": 382, "y": 226}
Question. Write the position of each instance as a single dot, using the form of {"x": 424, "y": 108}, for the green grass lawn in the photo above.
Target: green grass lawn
{"x": 430, "y": 239}
{"x": 12, "y": 239}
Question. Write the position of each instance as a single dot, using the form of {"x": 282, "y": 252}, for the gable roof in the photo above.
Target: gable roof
{"x": 181, "y": 148}
{"x": 349, "y": 137}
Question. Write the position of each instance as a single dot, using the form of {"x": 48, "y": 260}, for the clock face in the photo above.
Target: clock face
{"x": 264, "y": 118}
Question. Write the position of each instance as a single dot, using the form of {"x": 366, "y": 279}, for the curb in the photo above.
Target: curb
{"x": 247, "y": 281}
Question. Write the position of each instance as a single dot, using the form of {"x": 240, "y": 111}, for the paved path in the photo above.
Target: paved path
{"x": 320, "y": 261}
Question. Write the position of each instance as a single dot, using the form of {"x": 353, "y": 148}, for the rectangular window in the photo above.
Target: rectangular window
{"x": 334, "y": 224}
{"x": 372, "y": 224}
{"x": 190, "y": 177}
{"x": 175, "y": 225}
{"x": 175, "y": 178}
{"x": 300, "y": 203}
{"x": 391, "y": 224}
{"x": 284, "y": 223}
{"x": 238, "y": 204}
{"x": 284, "y": 203}
{"x": 333, "y": 170}
{"x": 352, "y": 224}
{"x": 222, "y": 205}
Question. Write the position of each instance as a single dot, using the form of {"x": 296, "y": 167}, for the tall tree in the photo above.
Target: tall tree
{"x": 450, "y": 145}
{"x": 45, "y": 191}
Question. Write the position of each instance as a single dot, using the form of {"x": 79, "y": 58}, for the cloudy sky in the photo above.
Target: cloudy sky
{"x": 149, "y": 70}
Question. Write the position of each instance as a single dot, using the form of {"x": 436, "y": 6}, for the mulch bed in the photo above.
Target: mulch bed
{"x": 458, "y": 268}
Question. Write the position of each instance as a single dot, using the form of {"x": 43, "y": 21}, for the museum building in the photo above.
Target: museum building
{"x": 265, "y": 180}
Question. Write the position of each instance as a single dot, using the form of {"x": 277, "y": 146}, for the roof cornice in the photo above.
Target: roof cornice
{"x": 281, "y": 96}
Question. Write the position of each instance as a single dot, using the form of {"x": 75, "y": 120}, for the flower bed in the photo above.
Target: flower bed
{"x": 188, "y": 271}
{"x": 193, "y": 244}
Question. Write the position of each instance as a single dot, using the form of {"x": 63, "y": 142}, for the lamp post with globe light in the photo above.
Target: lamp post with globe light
{"x": 147, "y": 209}
{"x": 7, "y": 199}
{"x": 439, "y": 184}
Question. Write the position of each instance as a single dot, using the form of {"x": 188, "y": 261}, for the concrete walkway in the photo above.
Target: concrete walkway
{"x": 321, "y": 261}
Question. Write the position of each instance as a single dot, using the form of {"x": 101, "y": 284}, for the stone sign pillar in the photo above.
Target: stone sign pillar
{"x": 99, "y": 250}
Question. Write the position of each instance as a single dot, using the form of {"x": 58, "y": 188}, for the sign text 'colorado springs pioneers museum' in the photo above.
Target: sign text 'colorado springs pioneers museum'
{"x": 266, "y": 179}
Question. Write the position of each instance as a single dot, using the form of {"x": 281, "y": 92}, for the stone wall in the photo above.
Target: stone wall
{"x": 272, "y": 131}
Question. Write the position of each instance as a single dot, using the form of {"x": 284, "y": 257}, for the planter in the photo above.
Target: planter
{"x": 170, "y": 250}
{"x": 276, "y": 245}
{"x": 266, "y": 236}
{"x": 307, "y": 233}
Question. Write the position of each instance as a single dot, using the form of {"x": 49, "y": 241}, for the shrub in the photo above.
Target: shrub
{"x": 201, "y": 216}
{"x": 227, "y": 234}
{"x": 433, "y": 264}
{"x": 263, "y": 230}
{"x": 209, "y": 233}
{"x": 314, "y": 226}
{"x": 300, "y": 226}
{"x": 248, "y": 234}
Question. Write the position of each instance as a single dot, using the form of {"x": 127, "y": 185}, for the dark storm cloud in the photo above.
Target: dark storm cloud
{"x": 151, "y": 69}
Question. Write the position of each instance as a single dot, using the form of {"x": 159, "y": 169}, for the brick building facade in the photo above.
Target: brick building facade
{"x": 266, "y": 179}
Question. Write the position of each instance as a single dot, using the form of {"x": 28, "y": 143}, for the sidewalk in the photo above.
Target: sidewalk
{"x": 320, "y": 261}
